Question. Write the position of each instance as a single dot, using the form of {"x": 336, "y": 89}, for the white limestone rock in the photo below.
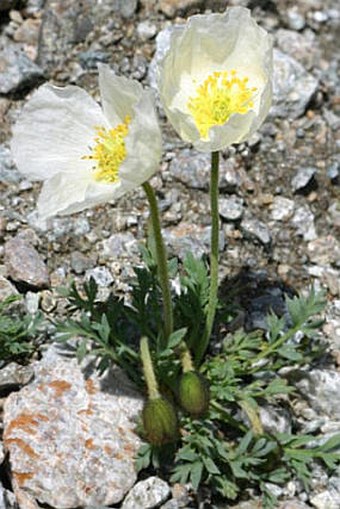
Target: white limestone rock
{"x": 71, "y": 440}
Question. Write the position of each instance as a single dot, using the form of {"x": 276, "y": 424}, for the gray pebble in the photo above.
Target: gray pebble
{"x": 293, "y": 87}
{"x": 333, "y": 172}
{"x": 80, "y": 262}
{"x": 146, "y": 30}
{"x": 231, "y": 208}
{"x": 91, "y": 59}
{"x": 303, "y": 179}
{"x": 101, "y": 275}
{"x": 147, "y": 494}
{"x": 282, "y": 208}
{"x": 303, "y": 221}
{"x": 8, "y": 173}
{"x": 17, "y": 70}
{"x": 255, "y": 230}
{"x": 24, "y": 264}
{"x": 296, "y": 20}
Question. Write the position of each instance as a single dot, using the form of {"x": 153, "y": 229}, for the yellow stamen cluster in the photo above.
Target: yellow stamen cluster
{"x": 109, "y": 152}
{"x": 217, "y": 98}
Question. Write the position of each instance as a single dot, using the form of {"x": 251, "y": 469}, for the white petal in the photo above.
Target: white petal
{"x": 143, "y": 144}
{"x": 54, "y": 132}
{"x": 61, "y": 192}
{"x": 119, "y": 95}
{"x": 67, "y": 193}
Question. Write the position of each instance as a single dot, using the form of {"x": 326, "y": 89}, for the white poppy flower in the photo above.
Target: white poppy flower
{"x": 85, "y": 154}
{"x": 215, "y": 79}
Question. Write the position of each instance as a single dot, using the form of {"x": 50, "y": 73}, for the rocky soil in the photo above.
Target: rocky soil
{"x": 279, "y": 208}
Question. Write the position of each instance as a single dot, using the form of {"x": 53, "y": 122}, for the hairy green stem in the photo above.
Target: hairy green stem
{"x": 212, "y": 303}
{"x": 186, "y": 359}
{"x": 162, "y": 264}
{"x": 149, "y": 373}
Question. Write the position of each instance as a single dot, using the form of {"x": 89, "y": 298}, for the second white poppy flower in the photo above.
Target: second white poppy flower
{"x": 215, "y": 79}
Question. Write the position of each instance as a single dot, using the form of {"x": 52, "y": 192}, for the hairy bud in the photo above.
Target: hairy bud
{"x": 160, "y": 421}
{"x": 193, "y": 393}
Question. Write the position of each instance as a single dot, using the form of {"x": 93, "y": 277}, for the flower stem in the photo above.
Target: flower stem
{"x": 149, "y": 373}
{"x": 186, "y": 360}
{"x": 212, "y": 303}
{"x": 162, "y": 264}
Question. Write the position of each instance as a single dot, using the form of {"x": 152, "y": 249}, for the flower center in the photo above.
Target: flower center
{"x": 217, "y": 98}
{"x": 109, "y": 152}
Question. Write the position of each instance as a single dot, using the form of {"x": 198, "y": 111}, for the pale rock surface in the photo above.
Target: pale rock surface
{"x": 147, "y": 494}
{"x": 322, "y": 389}
{"x": 71, "y": 440}
{"x": 293, "y": 87}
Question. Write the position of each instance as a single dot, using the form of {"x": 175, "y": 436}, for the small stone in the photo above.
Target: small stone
{"x": 7, "y": 289}
{"x": 296, "y": 20}
{"x": 192, "y": 168}
{"x": 275, "y": 420}
{"x": 17, "y": 70}
{"x": 320, "y": 16}
{"x": 171, "y": 8}
{"x": 333, "y": 173}
{"x": 255, "y": 230}
{"x": 88, "y": 424}
{"x": 91, "y": 58}
{"x": 101, "y": 275}
{"x": 29, "y": 236}
{"x": 282, "y": 208}
{"x": 303, "y": 221}
{"x": 8, "y": 172}
{"x": 48, "y": 301}
{"x": 24, "y": 264}
{"x": 118, "y": 245}
{"x": 28, "y": 32}
{"x": 332, "y": 119}
{"x": 302, "y": 181}
{"x": 302, "y": 47}
{"x": 327, "y": 499}
{"x": 81, "y": 226}
{"x": 15, "y": 16}
{"x": 147, "y": 494}
{"x": 188, "y": 238}
{"x": 14, "y": 375}
{"x": 32, "y": 7}
{"x": 294, "y": 504}
{"x": 32, "y": 301}
{"x": 127, "y": 8}
{"x": 321, "y": 388}
{"x": 293, "y": 87}
{"x": 334, "y": 214}
{"x": 324, "y": 250}
{"x": 146, "y": 30}
{"x": 80, "y": 262}
{"x": 231, "y": 208}
{"x": 3, "y": 225}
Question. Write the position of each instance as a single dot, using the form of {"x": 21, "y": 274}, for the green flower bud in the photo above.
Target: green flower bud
{"x": 193, "y": 393}
{"x": 159, "y": 421}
